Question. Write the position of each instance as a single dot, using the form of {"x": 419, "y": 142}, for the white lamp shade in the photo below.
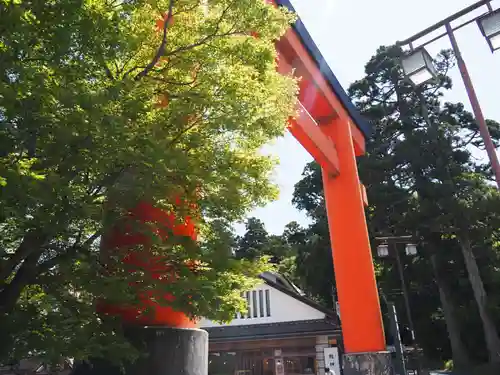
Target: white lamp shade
{"x": 490, "y": 27}
{"x": 383, "y": 250}
{"x": 494, "y": 42}
{"x": 419, "y": 67}
{"x": 420, "y": 77}
{"x": 411, "y": 249}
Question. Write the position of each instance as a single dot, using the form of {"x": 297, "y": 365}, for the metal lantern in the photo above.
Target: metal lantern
{"x": 489, "y": 24}
{"x": 383, "y": 250}
{"x": 419, "y": 67}
{"x": 411, "y": 249}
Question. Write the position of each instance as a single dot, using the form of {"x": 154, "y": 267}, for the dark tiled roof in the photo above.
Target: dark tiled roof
{"x": 272, "y": 330}
{"x": 337, "y": 88}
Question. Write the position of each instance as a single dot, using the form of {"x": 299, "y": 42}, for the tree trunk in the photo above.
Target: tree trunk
{"x": 11, "y": 292}
{"x": 25, "y": 260}
{"x": 458, "y": 351}
{"x": 490, "y": 331}
{"x": 30, "y": 242}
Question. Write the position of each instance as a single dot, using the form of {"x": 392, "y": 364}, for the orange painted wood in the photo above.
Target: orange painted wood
{"x": 345, "y": 198}
{"x": 282, "y": 65}
{"x": 310, "y": 136}
{"x": 359, "y": 141}
{"x": 315, "y": 103}
{"x": 305, "y": 129}
{"x": 295, "y": 54}
{"x": 363, "y": 194}
{"x": 309, "y": 95}
{"x": 124, "y": 238}
{"x": 359, "y": 303}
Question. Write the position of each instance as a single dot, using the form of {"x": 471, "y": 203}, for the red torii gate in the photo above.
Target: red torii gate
{"x": 333, "y": 132}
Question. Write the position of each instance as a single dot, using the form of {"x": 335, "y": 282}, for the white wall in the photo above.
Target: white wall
{"x": 283, "y": 308}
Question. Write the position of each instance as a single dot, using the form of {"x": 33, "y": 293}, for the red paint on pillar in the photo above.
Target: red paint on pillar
{"x": 362, "y": 325}
{"x": 123, "y": 237}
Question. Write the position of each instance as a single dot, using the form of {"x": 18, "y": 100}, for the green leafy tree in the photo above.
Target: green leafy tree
{"x": 108, "y": 103}
{"x": 282, "y": 251}
{"x": 253, "y": 244}
{"x": 257, "y": 243}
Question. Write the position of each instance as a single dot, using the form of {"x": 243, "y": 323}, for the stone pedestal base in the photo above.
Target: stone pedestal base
{"x": 169, "y": 351}
{"x": 368, "y": 364}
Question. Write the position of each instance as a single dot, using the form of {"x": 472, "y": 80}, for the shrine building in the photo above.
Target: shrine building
{"x": 282, "y": 333}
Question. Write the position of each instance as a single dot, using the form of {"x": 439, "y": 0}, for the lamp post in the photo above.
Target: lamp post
{"x": 384, "y": 251}
{"x": 400, "y": 365}
{"x": 418, "y": 66}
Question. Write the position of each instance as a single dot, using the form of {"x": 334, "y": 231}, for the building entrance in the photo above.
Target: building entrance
{"x": 258, "y": 363}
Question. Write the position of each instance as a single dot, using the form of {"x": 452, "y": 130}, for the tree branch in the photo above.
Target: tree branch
{"x": 184, "y": 131}
{"x": 466, "y": 143}
{"x": 108, "y": 72}
{"x": 208, "y": 37}
{"x": 70, "y": 253}
{"x": 25, "y": 274}
{"x": 203, "y": 41}
{"x": 31, "y": 241}
{"x": 174, "y": 83}
{"x": 161, "y": 49}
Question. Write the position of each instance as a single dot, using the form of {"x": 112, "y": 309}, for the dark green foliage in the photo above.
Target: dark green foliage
{"x": 255, "y": 241}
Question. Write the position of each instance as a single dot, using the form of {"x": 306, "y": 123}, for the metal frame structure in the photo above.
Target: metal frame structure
{"x": 450, "y": 32}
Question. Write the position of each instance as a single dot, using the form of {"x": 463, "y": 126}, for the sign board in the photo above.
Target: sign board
{"x": 332, "y": 360}
{"x": 280, "y": 368}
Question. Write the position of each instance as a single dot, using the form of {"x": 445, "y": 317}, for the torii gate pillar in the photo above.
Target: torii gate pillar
{"x": 333, "y": 132}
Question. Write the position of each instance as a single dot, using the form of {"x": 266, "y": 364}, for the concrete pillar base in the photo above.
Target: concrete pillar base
{"x": 379, "y": 363}
{"x": 172, "y": 351}
{"x": 169, "y": 351}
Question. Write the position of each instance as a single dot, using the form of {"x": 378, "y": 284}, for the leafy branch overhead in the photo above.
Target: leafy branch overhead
{"x": 104, "y": 104}
{"x": 161, "y": 50}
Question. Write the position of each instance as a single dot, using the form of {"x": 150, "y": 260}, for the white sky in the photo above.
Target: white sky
{"x": 348, "y": 32}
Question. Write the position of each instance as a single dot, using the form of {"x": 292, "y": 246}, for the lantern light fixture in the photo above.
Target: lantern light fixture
{"x": 383, "y": 250}
{"x": 411, "y": 249}
{"x": 418, "y": 67}
{"x": 489, "y": 24}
